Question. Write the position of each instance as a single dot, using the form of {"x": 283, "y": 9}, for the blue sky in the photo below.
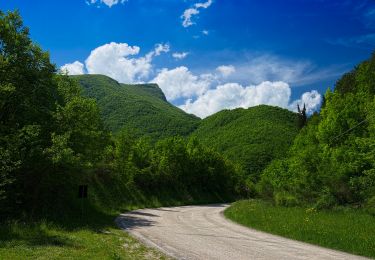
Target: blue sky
{"x": 227, "y": 54}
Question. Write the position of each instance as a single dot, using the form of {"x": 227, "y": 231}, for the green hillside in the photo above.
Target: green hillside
{"x": 141, "y": 108}
{"x": 251, "y": 137}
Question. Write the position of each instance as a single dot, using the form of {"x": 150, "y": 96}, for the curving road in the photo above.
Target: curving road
{"x": 202, "y": 232}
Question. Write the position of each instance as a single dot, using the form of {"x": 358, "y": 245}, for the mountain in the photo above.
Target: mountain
{"x": 141, "y": 108}
{"x": 252, "y": 137}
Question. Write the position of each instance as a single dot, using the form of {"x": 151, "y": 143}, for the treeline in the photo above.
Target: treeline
{"x": 52, "y": 139}
{"x": 332, "y": 160}
{"x": 174, "y": 164}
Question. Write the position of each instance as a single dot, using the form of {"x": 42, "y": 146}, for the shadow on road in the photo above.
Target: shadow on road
{"x": 133, "y": 220}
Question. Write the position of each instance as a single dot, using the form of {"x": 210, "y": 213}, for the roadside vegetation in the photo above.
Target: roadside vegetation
{"x": 341, "y": 228}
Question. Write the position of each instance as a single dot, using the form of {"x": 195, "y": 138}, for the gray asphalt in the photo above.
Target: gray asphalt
{"x": 202, "y": 232}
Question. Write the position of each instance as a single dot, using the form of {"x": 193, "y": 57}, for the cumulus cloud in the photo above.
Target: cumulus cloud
{"x": 117, "y": 61}
{"x": 205, "y": 94}
{"x": 181, "y": 83}
{"x": 311, "y": 99}
{"x": 233, "y": 95}
{"x": 205, "y": 32}
{"x": 225, "y": 71}
{"x": 190, "y": 12}
{"x": 109, "y": 3}
{"x": 180, "y": 55}
{"x": 75, "y": 68}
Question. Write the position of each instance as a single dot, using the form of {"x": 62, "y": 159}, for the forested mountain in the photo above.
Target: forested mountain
{"x": 251, "y": 137}
{"x": 141, "y": 108}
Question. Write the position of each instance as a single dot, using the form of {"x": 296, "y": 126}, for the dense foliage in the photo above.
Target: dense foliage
{"x": 46, "y": 127}
{"x": 251, "y": 137}
{"x": 141, "y": 109}
{"x": 332, "y": 160}
{"x": 174, "y": 164}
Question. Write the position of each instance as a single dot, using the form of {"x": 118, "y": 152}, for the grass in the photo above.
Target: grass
{"x": 95, "y": 238}
{"x": 344, "y": 229}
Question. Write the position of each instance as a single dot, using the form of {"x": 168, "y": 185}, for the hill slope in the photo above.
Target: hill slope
{"x": 252, "y": 137}
{"x": 141, "y": 108}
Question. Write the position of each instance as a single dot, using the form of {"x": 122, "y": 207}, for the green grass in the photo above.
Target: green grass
{"x": 92, "y": 240}
{"x": 344, "y": 229}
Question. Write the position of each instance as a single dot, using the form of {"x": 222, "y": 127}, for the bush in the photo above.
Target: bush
{"x": 325, "y": 201}
{"x": 285, "y": 199}
{"x": 370, "y": 206}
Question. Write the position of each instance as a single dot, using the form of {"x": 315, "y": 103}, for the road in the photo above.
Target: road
{"x": 202, "y": 232}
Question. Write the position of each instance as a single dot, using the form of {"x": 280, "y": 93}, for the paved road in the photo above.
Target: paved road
{"x": 202, "y": 232}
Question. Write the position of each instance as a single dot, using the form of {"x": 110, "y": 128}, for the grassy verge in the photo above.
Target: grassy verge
{"x": 46, "y": 240}
{"x": 347, "y": 230}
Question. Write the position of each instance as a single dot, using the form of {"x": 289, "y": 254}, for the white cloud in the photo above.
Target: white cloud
{"x": 180, "y": 55}
{"x": 233, "y": 95}
{"x": 115, "y": 61}
{"x": 205, "y": 32}
{"x": 312, "y": 100}
{"x": 203, "y": 5}
{"x": 180, "y": 82}
{"x": 225, "y": 71}
{"x": 190, "y": 12}
{"x": 160, "y": 48}
{"x": 75, "y": 68}
{"x": 272, "y": 68}
{"x": 109, "y": 3}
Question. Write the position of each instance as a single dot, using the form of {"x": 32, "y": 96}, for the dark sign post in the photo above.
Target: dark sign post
{"x": 82, "y": 194}
{"x": 82, "y": 191}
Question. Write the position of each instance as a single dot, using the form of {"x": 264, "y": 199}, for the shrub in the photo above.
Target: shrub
{"x": 370, "y": 206}
{"x": 326, "y": 200}
{"x": 285, "y": 199}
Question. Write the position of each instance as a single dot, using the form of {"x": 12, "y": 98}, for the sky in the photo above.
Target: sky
{"x": 208, "y": 55}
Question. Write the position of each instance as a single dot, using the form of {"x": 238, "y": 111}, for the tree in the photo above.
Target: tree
{"x": 302, "y": 115}
{"x": 27, "y": 100}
